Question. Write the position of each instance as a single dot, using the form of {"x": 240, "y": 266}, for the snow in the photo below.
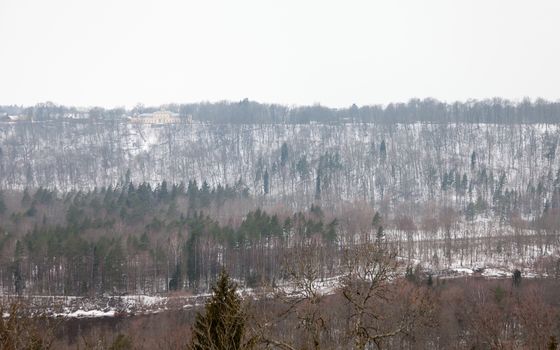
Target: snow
{"x": 132, "y": 301}
{"x": 492, "y": 272}
{"x": 90, "y": 313}
{"x": 106, "y": 306}
{"x": 462, "y": 270}
{"x": 225, "y": 153}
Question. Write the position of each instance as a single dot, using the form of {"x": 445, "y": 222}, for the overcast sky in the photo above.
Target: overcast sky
{"x": 122, "y": 52}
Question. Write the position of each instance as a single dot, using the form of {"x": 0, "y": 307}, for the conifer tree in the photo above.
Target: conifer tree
{"x": 19, "y": 282}
{"x": 2, "y": 204}
{"x": 26, "y": 199}
{"x": 430, "y": 281}
{"x": 516, "y": 278}
{"x": 376, "y": 221}
{"x": 266, "y": 182}
{"x": 318, "y": 186}
{"x": 383, "y": 150}
{"x": 222, "y": 326}
{"x": 473, "y": 159}
{"x": 380, "y": 235}
{"x": 284, "y": 154}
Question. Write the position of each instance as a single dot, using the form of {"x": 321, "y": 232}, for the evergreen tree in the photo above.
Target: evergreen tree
{"x": 376, "y": 221}
{"x": 113, "y": 265}
{"x": 383, "y": 150}
{"x": 266, "y": 182}
{"x": 26, "y": 199}
{"x": 205, "y": 195}
{"x": 516, "y": 278}
{"x": 163, "y": 193}
{"x": 409, "y": 274}
{"x": 192, "y": 194}
{"x": 284, "y": 154}
{"x": 19, "y": 282}
{"x": 302, "y": 168}
{"x": 316, "y": 210}
{"x": 318, "y": 186}
{"x": 176, "y": 281}
{"x": 2, "y": 204}
{"x": 32, "y": 210}
{"x": 380, "y": 235}
{"x": 444, "y": 182}
{"x": 330, "y": 233}
{"x": 222, "y": 326}
{"x": 470, "y": 212}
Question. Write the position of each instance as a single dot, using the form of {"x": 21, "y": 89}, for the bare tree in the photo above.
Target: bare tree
{"x": 381, "y": 305}
{"x": 20, "y": 328}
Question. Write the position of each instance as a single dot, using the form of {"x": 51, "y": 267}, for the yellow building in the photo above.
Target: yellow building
{"x": 159, "y": 117}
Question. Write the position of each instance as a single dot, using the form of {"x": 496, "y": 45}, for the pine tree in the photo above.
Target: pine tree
{"x": 302, "y": 168}
{"x": 380, "y": 235}
{"x": 318, "y": 186}
{"x": 192, "y": 194}
{"x": 205, "y": 195}
{"x": 222, "y": 326}
{"x": 176, "y": 281}
{"x": 19, "y": 282}
{"x": 330, "y": 232}
{"x": 516, "y": 278}
{"x": 26, "y": 199}
{"x": 376, "y": 221}
{"x": 163, "y": 193}
{"x": 284, "y": 154}
{"x": 266, "y": 182}
{"x": 383, "y": 150}
{"x": 2, "y": 204}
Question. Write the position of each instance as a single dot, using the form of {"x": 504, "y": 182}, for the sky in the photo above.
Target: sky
{"x": 295, "y": 52}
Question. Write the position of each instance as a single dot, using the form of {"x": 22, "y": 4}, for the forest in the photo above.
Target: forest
{"x": 409, "y": 226}
{"x": 345, "y": 275}
{"x": 139, "y": 239}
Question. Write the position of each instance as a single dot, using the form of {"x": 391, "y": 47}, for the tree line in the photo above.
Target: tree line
{"x": 496, "y": 110}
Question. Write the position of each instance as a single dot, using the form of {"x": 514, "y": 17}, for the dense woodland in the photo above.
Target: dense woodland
{"x": 338, "y": 226}
{"x": 147, "y": 240}
{"x": 138, "y": 239}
